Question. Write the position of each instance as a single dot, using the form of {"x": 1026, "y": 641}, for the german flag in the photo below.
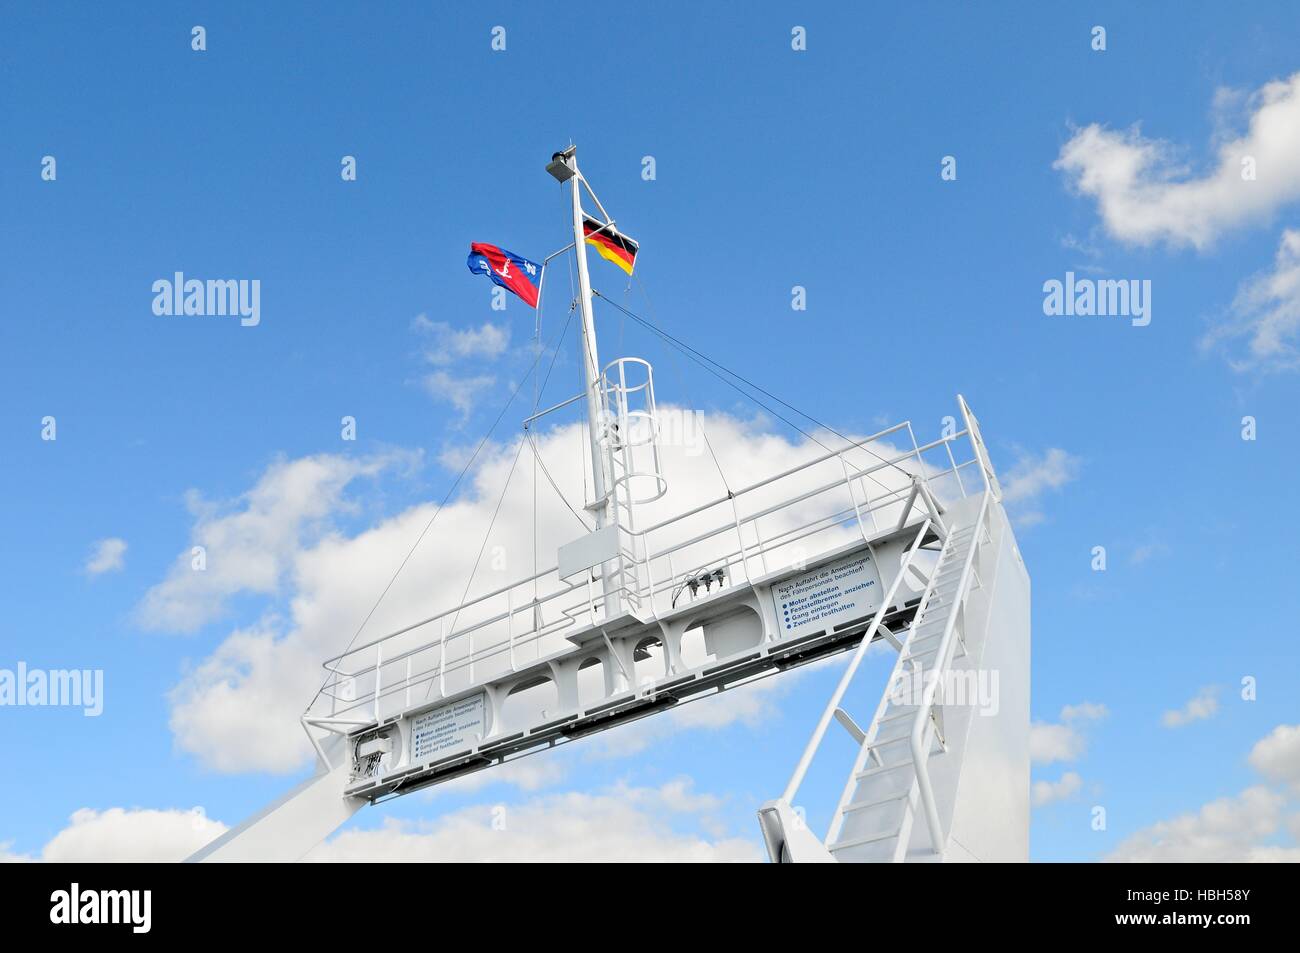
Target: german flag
{"x": 612, "y": 246}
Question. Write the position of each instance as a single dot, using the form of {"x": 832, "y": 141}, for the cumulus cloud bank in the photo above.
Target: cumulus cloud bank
{"x": 1146, "y": 194}
{"x": 669, "y": 823}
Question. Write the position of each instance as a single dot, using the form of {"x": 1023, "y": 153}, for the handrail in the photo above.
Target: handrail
{"x": 571, "y": 613}
{"x": 742, "y": 491}
{"x": 497, "y": 609}
{"x": 981, "y": 450}
{"x": 718, "y": 530}
{"x": 820, "y": 731}
{"x": 922, "y": 719}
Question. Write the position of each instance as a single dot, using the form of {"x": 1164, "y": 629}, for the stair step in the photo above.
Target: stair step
{"x": 890, "y": 730}
{"x": 892, "y": 799}
{"x": 862, "y": 841}
{"x": 930, "y": 621}
{"x": 922, "y": 632}
{"x": 901, "y": 714}
{"x": 927, "y": 637}
{"x": 881, "y": 744}
{"x": 881, "y": 852}
{"x": 868, "y": 773}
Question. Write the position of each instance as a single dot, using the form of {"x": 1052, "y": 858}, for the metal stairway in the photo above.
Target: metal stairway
{"x": 873, "y": 821}
{"x": 906, "y": 743}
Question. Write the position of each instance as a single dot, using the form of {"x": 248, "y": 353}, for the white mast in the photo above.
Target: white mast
{"x": 564, "y": 167}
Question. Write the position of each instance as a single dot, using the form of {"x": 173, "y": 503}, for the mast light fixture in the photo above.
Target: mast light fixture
{"x": 561, "y": 164}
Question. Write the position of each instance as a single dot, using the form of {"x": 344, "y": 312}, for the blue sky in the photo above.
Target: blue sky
{"x": 774, "y": 168}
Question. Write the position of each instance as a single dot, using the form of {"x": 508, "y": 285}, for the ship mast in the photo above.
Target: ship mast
{"x": 564, "y": 167}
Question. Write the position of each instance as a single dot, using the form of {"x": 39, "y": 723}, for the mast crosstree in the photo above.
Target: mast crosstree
{"x": 885, "y": 539}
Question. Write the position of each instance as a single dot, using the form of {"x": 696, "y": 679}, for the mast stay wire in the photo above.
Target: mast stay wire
{"x": 482, "y": 548}
{"x": 528, "y": 432}
{"x": 506, "y": 486}
{"x": 685, "y": 390}
{"x": 555, "y": 353}
{"x": 705, "y": 361}
{"x": 681, "y": 380}
{"x": 537, "y": 359}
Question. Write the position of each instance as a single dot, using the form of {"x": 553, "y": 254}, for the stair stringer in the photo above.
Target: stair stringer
{"x": 981, "y": 782}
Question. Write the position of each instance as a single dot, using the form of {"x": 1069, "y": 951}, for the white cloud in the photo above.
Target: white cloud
{"x": 7, "y": 856}
{"x": 250, "y": 543}
{"x": 486, "y": 341}
{"x": 670, "y": 823}
{"x": 1084, "y": 711}
{"x": 1032, "y": 476}
{"x": 132, "y": 836}
{"x": 1201, "y": 707}
{"x": 1253, "y": 826}
{"x": 1049, "y": 742}
{"x": 1229, "y": 830}
{"x": 461, "y": 392}
{"x": 1277, "y": 756}
{"x": 107, "y": 556}
{"x": 1266, "y": 312}
{"x": 1049, "y": 792}
{"x": 1145, "y": 195}
{"x": 238, "y": 709}
{"x": 622, "y": 824}
{"x": 449, "y": 345}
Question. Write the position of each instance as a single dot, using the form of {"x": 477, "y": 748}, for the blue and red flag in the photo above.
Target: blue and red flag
{"x": 505, "y": 268}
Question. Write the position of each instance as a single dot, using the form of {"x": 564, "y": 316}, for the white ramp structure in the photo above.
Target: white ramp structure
{"x": 882, "y": 540}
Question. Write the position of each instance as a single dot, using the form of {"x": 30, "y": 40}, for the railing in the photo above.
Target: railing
{"x": 981, "y": 451}
{"x": 922, "y": 723}
{"x": 778, "y": 521}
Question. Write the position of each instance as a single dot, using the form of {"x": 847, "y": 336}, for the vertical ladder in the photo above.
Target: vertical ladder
{"x": 873, "y": 821}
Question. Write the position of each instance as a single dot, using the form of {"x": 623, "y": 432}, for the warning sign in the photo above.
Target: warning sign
{"x": 448, "y": 728}
{"x": 824, "y": 597}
